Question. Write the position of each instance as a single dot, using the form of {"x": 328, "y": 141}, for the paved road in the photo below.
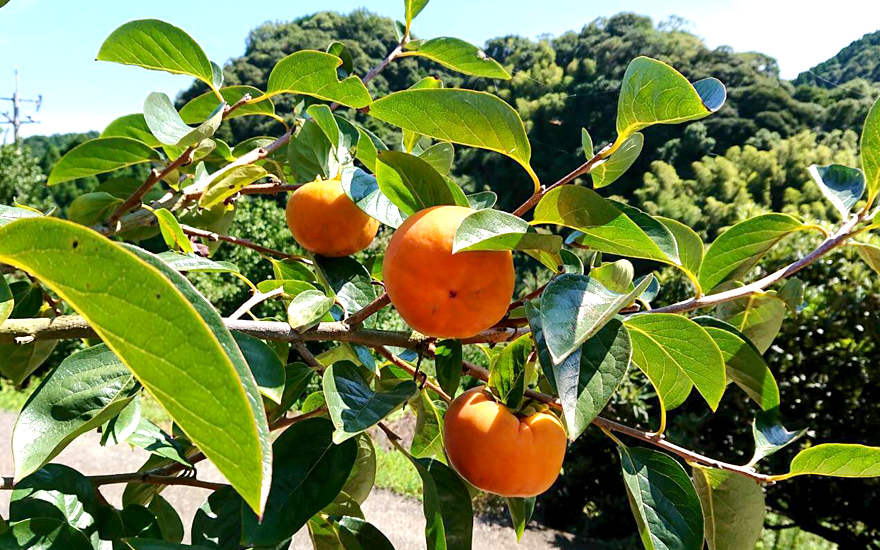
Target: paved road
{"x": 400, "y": 518}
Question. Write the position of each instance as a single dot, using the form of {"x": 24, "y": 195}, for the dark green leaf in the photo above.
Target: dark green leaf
{"x": 314, "y": 73}
{"x": 521, "y": 510}
{"x": 265, "y": 365}
{"x": 156, "y": 544}
{"x": 56, "y": 492}
{"x": 150, "y": 437}
{"x": 507, "y": 377}
{"x": 461, "y": 56}
{"x": 120, "y": 427}
{"x": 218, "y": 521}
{"x": 448, "y": 362}
{"x": 310, "y": 154}
{"x": 353, "y": 405}
{"x": 496, "y": 230}
{"x": 363, "y": 189}
{"x": 169, "y": 521}
{"x": 733, "y": 508}
{"x": 842, "y": 186}
{"x": 618, "y": 162}
{"x": 663, "y": 501}
{"x": 43, "y": 534}
{"x": 350, "y": 281}
{"x": 410, "y": 183}
{"x": 98, "y": 156}
{"x": 357, "y": 531}
{"x": 428, "y": 437}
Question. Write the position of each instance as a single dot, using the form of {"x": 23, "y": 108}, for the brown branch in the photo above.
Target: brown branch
{"x": 269, "y": 188}
{"x": 155, "y": 176}
{"x": 211, "y": 236}
{"x": 308, "y": 357}
{"x": 658, "y": 441}
{"x": 257, "y": 298}
{"x": 285, "y": 421}
{"x": 361, "y": 315}
{"x": 568, "y": 178}
{"x": 412, "y": 370}
{"x": 230, "y": 108}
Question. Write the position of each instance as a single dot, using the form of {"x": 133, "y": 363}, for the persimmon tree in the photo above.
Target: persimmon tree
{"x": 236, "y": 387}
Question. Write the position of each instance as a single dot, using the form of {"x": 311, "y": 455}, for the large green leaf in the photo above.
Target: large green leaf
{"x": 150, "y": 437}
{"x": 667, "y": 347}
{"x": 363, "y": 189}
{"x": 496, "y": 230}
{"x": 309, "y": 472}
{"x": 606, "y": 228}
{"x": 587, "y": 379}
{"x": 44, "y": 534}
{"x": 264, "y": 364}
{"x": 350, "y": 281}
{"x": 410, "y": 183}
{"x": 98, "y": 156}
{"x": 357, "y": 534}
{"x": 313, "y": 73}
{"x": 200, "y": 108}
{"x": 758, "y": 316}
{"x": 92, "y": 208}
{"x": 663, "y": 501}
{"x": 353, "y": 405}
{"x": 307, "y": 308}
{"x": 508, "y": 374}
{"x": 745, "y": 365}
{"x": 7, "y": 301}
{"x": 159, "y": 46}
{"x": 837, "y": 460}
{"x": 311, "y": 155}
{"x": 467, "y": 117}
{"x": 741, "y": 247}
{"x": 842, "y": 186}
{"x": 169, "y": 128}
{"x": 132, "y": 126}
{"x": 160, "y": 336}
{"x": 521, "y": 510}
{"x": 652, "y": 92}
{"x": 411, "y": 8}
{"x": 428, "y": 437}
{"x": 770, "y": 435}
{"x": 461, "y": 56}
{"x": 218, "y": 521}
{"x": 230, "y": 183}
{"x": 733, "y": 508}
{"x": 619, "y": 162}
{"x": 870, "y": 151}
{"x": 575, "y": 307}
{"x": 448, "y": 362}
{"x": 689, "y": 244}
{"x": 87, "y": 389}
{"x": 58, "y": 492}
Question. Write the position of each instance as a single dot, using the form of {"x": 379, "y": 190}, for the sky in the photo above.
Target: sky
{"x": 53, "y": 42}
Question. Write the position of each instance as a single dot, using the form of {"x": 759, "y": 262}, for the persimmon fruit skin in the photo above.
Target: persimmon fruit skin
{"x": 439, "y": 293}
{"x": 325, "y": 221}
{"x": 498, "y": 452}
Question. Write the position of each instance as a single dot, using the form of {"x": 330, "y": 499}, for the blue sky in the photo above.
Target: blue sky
{"x": 53, "y": 42}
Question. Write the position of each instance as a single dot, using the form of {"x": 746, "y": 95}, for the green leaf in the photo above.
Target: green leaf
{"x": 7, "y": 301}
{"x": 353, "y": 405}
{"x": 448, "y": 362}
{"x": 309, "y": 472}
{"x": 200, "y": 108}
{"x": 652, "y": 92}
{"x": 44, "y": 534}
{"x": 313, "y": 73}
{"x": 159, "y": 46}
{"x": 689, "y": 245}
{"x": 733, "y": 508}
{"x": 482, "y": 200}
{"x": 156, "y": 544}
{"x": 98, "y": 156}
{"x": 654, "y": 229}
{"x": 792, "y": 293}
{"x": 193, "y": 263}
{"x": 363, "y": 189}
{"x": 57, "y": 492}
{"x": 740, "y": 248}
{"x": 17, "y": 361}
{"x": 842, "y": 186}
{"x": 92, "y": 208}
{"x": 606, "y": 228}
{"x": 366, "y": 536}
{"x": 870, "y": 151}
{"x": 587, "y": 379}
{"x": 310, "y": 154}
{"x": 411, "y": 9}
{"x": 496, "y": 230}
{"x": 264, "y": 364}
{"x": 616, "y": 276}
{"x": 662, "y": 499}
{"x": 230, "y": 183}
{"x": 870, "y": 253}
{"x": 172, "y": 234}
{"x": 675, "y": 353}
{"x": 363, "y": 474}
{"x": 507, "y": 377}
{"x": 428, "y": 437}
{"x": 745, "y": 365}
{"x": 618, "y": 162}
{"x": 770, "y": 435}
{"x": 324, "y": 118}
{"x": 173, "y": 352}
{"x": 132, "y": 126}
{"x": 466, "y": 117}
{"x": 169, "y": 128}
{"x": 575, "y": 307}
{"x": 521, "y": 510}
{"x": 87, "y": 389}
{"x": 117, "y": 429}
{"x": 218, "y": 521}
{"x": 837, "y": 460}
{"x": 461, "y": 56}
{"x": 758, "y": 316}
{"x": 440, "y": 156}
{"x": 409, "y": 138}
{"x": 410, "y": 183}
{"x": 350, "y": 281}
{"x": 150, "y": 437}
{"x": 307, "y": 308}
{"x": 168, "y": 519}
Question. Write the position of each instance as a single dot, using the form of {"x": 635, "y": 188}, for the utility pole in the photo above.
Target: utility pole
{"x": 16, "y": 119}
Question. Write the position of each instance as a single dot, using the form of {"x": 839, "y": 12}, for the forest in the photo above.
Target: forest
{"x": 749, "y": 158}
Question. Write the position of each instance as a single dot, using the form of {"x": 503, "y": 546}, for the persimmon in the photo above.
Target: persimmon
{"x": 439, "y": 293}
{"x": 325, "y": 221}
{"x": 498, "y": 452}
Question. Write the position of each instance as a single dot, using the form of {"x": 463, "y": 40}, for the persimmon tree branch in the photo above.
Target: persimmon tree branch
{"x": 257, "y": 298}
{"x": 361, "y": 315}
{"x": 426, "y": 382}
{"x": 211, "y": 236}
{"x": 568, "y": 178}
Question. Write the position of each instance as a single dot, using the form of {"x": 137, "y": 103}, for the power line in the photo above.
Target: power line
{"x": 15, "y": 119}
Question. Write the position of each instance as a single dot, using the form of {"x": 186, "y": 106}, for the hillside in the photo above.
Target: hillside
{"x": 861, "y": 59}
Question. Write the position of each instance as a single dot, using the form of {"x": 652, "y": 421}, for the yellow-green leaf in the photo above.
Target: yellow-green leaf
{"x": 100, "y": 155}
{"x": 314, "y": 73}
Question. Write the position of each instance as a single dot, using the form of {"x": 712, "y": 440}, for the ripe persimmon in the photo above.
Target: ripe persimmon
{"x": 325, "y": 221}
{"x": 498, "y": 452}
{"x": 439, "y": 293}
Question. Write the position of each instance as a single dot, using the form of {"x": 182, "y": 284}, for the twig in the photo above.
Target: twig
{"x": 195, "y": 232}
{"x": 285, "y": 421}
{"x": 568, "y": 178}
{"x": 154, "y": 479}
{"x": 308, "y": 357}
{"x": 257, "y": 298}
{"x": 269, "y": 188}
{"x": 412, "y": 370}
{"x": 479, "y": 372}
{"x": 154, "y": 177}
{"x": 361, "y": 315}
{"x": 230, "y": 108}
